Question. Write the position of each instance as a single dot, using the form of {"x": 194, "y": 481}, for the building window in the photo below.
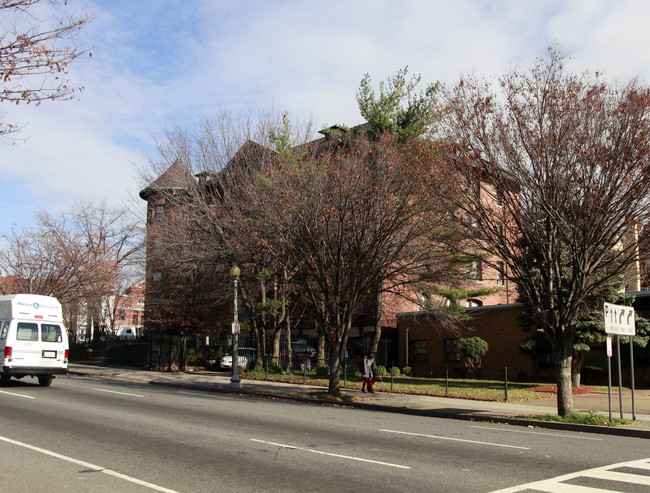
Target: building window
{"x": 157, "y": 277}
{"x": 135, "y": 319}
{"x": 500, "y": 273}
{"x": 451, "y": 351}
{"x": 420, "y": 351}
{"x": 159, "y": 211}
{"x": 474, "y": 271}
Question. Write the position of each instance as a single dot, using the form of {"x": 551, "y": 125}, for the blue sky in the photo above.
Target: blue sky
{"x": 157, "y": 61}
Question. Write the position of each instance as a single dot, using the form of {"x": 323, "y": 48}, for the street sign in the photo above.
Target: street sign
{"x": 609, "y": 347}
{"x": 619, "y": 320}
{"x": 235, "y": 327}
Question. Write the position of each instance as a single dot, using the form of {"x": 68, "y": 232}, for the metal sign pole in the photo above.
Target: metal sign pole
{"x": 620, "y": 376}
{"x": 609, "y": 375}
{"x": 619, "y": 320}
{"x": 632, "y": 370}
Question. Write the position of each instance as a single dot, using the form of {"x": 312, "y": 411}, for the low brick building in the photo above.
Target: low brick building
{"x": 427, "y": 348}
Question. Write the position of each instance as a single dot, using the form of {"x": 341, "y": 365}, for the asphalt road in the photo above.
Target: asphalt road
{"x": 95, "y": 435}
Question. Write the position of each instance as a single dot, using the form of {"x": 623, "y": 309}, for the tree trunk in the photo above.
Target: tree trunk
{"x": 321, "y": 348}
{"x": 378, "y": 323}
{"x": 337, "y": 357}
{"x": 563, "y": 356}
{"x": 576, "y": 368}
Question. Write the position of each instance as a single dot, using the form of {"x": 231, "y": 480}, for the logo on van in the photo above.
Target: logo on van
{"x": 36, "y": 305}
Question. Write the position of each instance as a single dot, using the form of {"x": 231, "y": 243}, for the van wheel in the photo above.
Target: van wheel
{"x": 44, "y": 381}
{"x": 4, "y": 379}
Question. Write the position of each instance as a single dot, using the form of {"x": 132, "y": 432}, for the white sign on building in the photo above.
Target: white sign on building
{"x": 619, "y": 320}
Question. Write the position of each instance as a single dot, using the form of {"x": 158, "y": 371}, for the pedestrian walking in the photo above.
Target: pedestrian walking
{"x": 369, "y": 369}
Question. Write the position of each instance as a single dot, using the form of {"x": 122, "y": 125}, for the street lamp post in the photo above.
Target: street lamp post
{"x": 235, "y": 381}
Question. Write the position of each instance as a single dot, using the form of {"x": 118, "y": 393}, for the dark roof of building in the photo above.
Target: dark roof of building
{"x": 177, "y": 177}
{"x": 469, "y": 309}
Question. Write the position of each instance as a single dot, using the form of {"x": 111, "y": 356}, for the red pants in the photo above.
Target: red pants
{"x": 368, "y": 381}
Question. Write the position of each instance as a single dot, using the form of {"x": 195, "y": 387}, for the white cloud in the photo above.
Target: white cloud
{"x": 157, "y": 61}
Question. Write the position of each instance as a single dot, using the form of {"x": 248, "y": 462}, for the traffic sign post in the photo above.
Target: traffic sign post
{"x": 619, "y": 320}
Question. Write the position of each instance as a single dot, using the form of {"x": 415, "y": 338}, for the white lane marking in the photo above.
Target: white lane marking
{"x": 437, "y": 437}
{"x": 207, "y": 395}
{"x": 120, "y": 393}
{"x": 88, "y": 465}
{"x": 17, "y": 395}
{"x": 605, "y": 472}
{"x": 293, "y": 447}
{"x": 507, "y": 430}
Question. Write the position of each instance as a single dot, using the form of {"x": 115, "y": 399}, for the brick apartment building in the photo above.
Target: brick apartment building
{"x": 177, "y": 180}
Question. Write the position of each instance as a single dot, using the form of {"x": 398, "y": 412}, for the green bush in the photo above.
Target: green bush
{"x": 382, "y": 371}
{"x": 190, "y": 356}
{"x": 127, "y": 355}
{"x": 275, "y": 369}
{"x": 395, "y": 371}
{"x": 407, "y": 370}
{"x": 322, "y": 371}
{"x": 472, "y": 348}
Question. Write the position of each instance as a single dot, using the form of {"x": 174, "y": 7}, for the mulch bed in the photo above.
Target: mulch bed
{"x": 552, "y": 389}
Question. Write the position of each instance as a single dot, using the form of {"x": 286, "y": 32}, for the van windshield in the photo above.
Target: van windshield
{"x": 50, "y": 333}
{"x": 27, "y": 331}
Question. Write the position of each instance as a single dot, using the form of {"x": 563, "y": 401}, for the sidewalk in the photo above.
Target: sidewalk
{"x": 382, "y": 400}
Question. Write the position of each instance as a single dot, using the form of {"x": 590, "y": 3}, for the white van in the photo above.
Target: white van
{"x": 33, "y": 340}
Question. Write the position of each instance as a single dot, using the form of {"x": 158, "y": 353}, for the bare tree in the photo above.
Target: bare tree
{"x": 567, "y": 158}
{"x": 354, "y": 220}
{"x": 36, "y": 53}
{"x": 81, "y": 257}
{"x": 203, "y": 231}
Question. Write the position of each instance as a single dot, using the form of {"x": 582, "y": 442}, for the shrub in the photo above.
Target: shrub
{"x": 322, "y": 371}
{"x": 275, "y": 369}
{"x": 382, "y": 371}
{"x": 522, "y": 376}
{"x": 407, "y": 370}
{"x": 191, "y": 356}
{"x": 395, "y": 371}
{"x": 472, "y": 348}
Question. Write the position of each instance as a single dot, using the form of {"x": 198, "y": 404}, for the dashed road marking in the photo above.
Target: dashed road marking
{"x": 438, "y": 437}
{"x": 17, "y": 395}
{"x": 88, "y": 465}
{"x": 545, "y": 433}
{"x": 330, "y": 454}
{"x": 120, "y": 393}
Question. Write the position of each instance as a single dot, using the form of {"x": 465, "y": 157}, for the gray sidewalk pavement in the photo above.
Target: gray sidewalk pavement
{"x": 382, "y": 400}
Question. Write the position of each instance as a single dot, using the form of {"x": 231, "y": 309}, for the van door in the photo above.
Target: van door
{"x": 52, "y": 350}
{"x": 26, "y": 351}
{"x": 4, "y": 330}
